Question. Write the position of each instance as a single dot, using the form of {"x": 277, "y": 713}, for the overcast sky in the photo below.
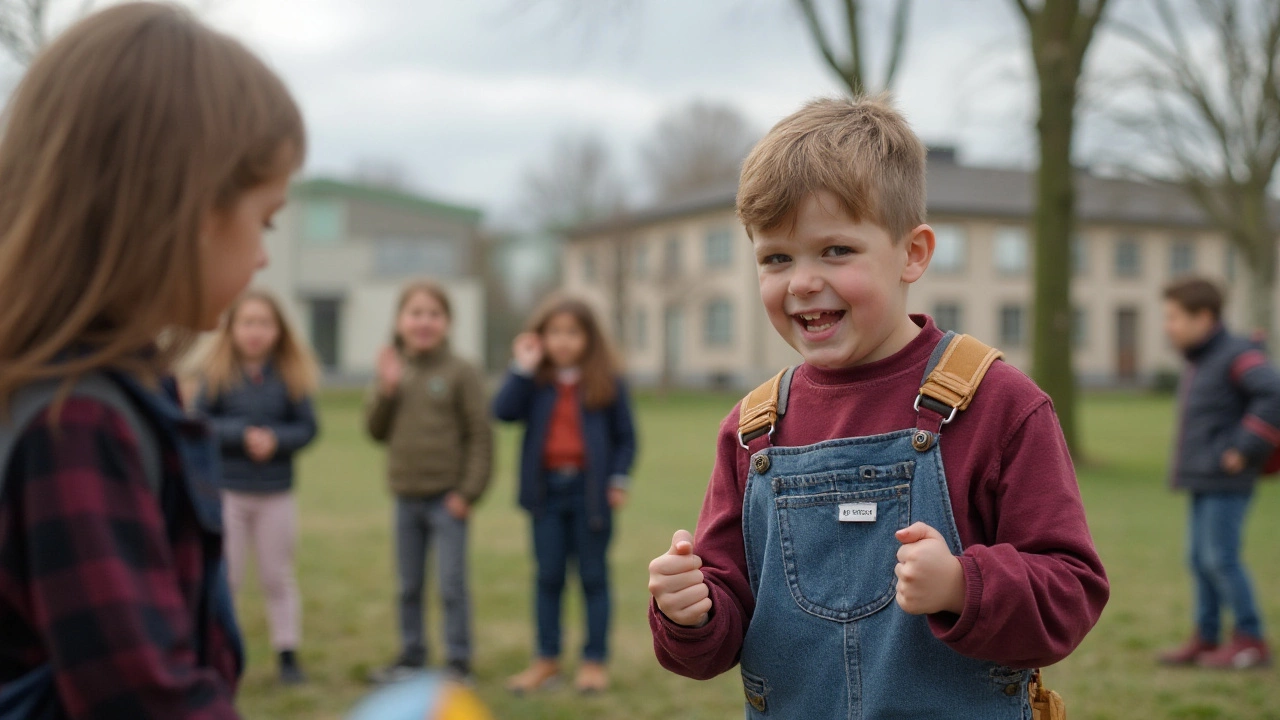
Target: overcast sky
{"x": 463, "y": 95}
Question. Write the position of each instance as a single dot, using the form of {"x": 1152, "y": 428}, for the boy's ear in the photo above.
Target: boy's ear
{"x": 919, "y": 245}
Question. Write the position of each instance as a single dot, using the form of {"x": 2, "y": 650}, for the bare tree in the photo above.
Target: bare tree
{"x": 578, "y": 184}
{"x": 1212, "y": 120}
{"x": 25, "y": 25}
{"x": 852, "y": 68}
{"x": 1060, "y": 32}
{"x": 699, "y": 146}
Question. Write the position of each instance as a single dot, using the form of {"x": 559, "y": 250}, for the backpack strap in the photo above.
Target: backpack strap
{"x": 955, "y": 370}
{"x": 30, "y": 400}
{"x": 761, "y": 408}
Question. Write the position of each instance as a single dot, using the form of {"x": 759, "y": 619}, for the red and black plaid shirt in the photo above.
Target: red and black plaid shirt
{"x": 95, "y": 582}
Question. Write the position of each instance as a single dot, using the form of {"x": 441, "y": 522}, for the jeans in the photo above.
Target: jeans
{"x": 420, "y": 523}
{"x": 562, "y": 530}
{"x": 1217, "y": 522}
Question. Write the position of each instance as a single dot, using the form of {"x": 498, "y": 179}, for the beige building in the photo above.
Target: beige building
{"x": 677, "y": 282}
{"x": 341, "y": 252}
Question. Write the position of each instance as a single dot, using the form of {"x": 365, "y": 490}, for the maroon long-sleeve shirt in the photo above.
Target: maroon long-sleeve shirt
{"x": 1034, "y": 585}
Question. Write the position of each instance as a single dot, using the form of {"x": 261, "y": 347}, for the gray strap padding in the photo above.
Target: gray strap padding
{"x": 29, "y": 401}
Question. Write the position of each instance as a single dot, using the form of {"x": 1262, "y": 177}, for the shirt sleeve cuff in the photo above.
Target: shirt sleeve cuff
{"x": 519, "y": 371}
{"x": 622, "y": 482}
{"x": 949, "y": 627}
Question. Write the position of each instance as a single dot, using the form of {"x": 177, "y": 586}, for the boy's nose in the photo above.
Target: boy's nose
{"x": 804, "y": 282}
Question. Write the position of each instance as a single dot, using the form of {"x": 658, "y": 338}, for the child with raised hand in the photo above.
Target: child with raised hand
{"x": 142, "y": 156}
{"x": 258, "y": 381}
{"x": 893, "y": 528}
{"x": 575, "y": 463}
{"x": 429, "y": 407}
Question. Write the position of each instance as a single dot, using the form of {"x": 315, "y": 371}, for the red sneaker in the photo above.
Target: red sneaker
{"x": 1187, "y": 653}
{"x": 1242, "y": 653}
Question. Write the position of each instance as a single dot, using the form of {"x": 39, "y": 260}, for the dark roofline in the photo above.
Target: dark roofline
{"x": 999, "y": 207}
{"x": 328, "y": 187}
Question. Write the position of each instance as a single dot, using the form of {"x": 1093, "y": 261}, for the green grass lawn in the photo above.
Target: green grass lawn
{"x": 348, "y": 583}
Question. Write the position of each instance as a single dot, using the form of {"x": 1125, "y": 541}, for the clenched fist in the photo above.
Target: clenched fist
{"x": 930, "y": 578}
{"x": 677, "y": 585}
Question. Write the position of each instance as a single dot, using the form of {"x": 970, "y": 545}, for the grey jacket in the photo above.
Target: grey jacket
{"x": 261, "y": 404}
{"x": 1229, "y": 399}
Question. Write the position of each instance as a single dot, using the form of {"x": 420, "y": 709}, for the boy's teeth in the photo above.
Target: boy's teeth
{"x": 811, "y": 316}
{"x": 820, "y": 328}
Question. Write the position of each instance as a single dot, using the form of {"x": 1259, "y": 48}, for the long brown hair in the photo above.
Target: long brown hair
{"x": 600, "y": 367}
{"x": 431, "y": 289}
{"x": 124, "y": 137}
{"x": 290, "y": 356}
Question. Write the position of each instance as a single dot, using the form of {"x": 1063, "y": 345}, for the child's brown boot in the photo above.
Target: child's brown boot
{"x": 592, "y": 678}
{"x": 541, "y": 675}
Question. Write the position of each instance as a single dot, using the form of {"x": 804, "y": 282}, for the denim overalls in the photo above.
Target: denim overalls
{"x": 827, "y": 639}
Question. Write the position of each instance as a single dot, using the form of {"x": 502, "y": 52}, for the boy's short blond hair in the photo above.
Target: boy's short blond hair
{"x": 859, "y": 149}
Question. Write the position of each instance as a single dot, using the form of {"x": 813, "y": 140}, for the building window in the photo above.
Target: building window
{"x": 398, "y": 257}
{"x": 1011, "y": 250}
{"x": 1079, "y": 255}
{"x": 952, "y": 248}
{"x": 589, "y": 269}
{"x": 1182, "y": 258}
{"x": 719, "y": 323}
{"x": 641, "y": 336}
{"x": 640, "y": 260}
{"x": 1128, "y": 257}
{"x": 720, "y": 248}
{"x": 1012, "y": 326}
{"x": 948, "y": 316}
{"x": 324, "y": 222}
{"x": 1079, "y": 327}
{"x": 672, "y": 260}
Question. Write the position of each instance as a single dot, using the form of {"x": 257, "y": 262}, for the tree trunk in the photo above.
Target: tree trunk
{"x": 1257, "y": 245}
{"x": 1054, "y": 228}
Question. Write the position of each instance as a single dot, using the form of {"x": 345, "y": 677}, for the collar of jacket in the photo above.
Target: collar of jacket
{"x": 1195, "y": 353}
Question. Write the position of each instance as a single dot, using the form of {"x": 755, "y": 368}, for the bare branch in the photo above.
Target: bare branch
{"x": 814, "y": 24}
{"x": 898, "y": 40}
{"x": 855, "y": 68}
{"x": 1027, "y": 12}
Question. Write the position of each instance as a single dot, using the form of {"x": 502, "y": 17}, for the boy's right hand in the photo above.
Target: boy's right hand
{"x": 390, "y": 370}
{"x": 527, "y": 352}
{"x": 677, "y": 584}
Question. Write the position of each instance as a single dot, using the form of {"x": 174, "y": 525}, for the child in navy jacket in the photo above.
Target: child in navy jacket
{"x": 575, "y": 461}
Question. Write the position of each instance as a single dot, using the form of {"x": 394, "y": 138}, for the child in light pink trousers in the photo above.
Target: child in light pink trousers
{"x": 258, "y": 380}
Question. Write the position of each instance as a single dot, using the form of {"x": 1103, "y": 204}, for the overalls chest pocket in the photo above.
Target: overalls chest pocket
{"x": 837, "y": 534}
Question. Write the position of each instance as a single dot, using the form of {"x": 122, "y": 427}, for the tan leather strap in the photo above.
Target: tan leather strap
{"x": 759, "y": 410}
{"x": 955, "y": 379}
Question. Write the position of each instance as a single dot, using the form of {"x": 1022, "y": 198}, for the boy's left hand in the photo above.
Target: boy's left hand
{"x": 930, "y": 578}
{"x": 617, "y": 498}
{"x": 457, "y": 506}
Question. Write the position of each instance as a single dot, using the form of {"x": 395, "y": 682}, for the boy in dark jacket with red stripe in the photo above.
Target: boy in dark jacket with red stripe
{"x": 1229, "y": 401}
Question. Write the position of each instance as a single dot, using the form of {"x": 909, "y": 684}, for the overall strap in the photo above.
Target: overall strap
{"x": 760, "y": 409}
{"x": 951, "y": 379}
{"x": 30, "y": 400}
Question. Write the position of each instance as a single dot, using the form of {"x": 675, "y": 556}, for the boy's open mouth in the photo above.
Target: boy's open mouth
{"x": 816, "y": 322}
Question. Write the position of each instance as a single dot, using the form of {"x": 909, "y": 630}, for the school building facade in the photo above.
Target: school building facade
{"x": 341, "y": 252}
{"x": 677, "y": 282}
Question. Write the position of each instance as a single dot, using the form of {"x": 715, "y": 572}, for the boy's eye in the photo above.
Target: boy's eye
{"x": 775, "y": 259}
{"x": 838, "y": 251}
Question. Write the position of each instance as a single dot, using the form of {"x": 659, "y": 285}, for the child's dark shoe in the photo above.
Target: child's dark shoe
{"x": 1242, "y": 653}
{"x": 290, "y": 672}
{"x": 1188, "y": 652}
{"x": 543, "y": 674}
{"x": 592, "y": 678}
{"x": 404, "y": 668}
{"x": 459, "y": 671}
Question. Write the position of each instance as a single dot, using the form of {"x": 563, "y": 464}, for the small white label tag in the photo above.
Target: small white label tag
{"x": 858, "y": 512}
